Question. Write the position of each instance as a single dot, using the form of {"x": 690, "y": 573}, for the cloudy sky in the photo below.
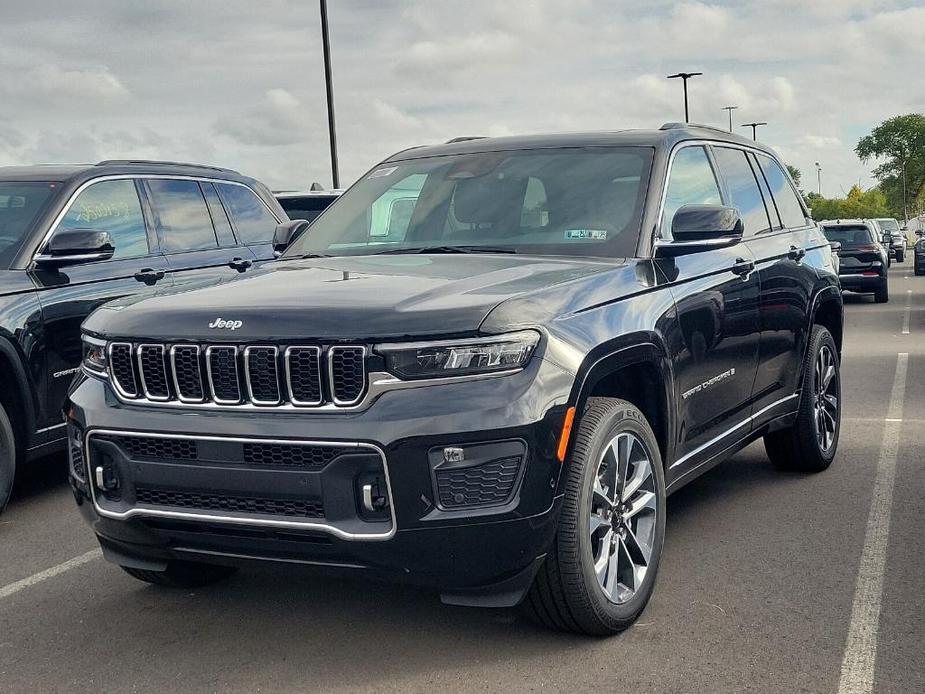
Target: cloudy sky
{"x": 239, "y": 82}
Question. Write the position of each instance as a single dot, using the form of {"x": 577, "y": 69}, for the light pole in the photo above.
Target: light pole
{"x": 905, "y": 209}
{"x": 730, "y": 109}
{"x": 819, "y": 178}
{"x": 754, "y": 127}
{"x": 685, "y": 76}
{"x": 329, "y": 90}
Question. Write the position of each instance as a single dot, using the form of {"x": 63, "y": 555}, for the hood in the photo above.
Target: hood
{"x": 347, "y": 298}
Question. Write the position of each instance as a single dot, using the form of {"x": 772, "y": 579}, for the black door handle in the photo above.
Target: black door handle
{"x": 742, "y": 267}
{"x": 240, "y": 264}
{"x": 149, "y": 275}
{"x": 796, "y": 253}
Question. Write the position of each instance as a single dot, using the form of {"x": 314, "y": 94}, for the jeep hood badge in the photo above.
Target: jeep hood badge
{"x": 226, "y": 324}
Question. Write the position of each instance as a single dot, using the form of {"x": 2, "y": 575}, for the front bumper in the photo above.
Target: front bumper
{"x": 474, "y": 554}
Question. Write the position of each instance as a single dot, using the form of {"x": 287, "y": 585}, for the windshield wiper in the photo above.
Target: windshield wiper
{"x": 448, "y": 249}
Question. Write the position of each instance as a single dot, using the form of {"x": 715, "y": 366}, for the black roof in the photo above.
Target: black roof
{"x": 65, "y": 172}
{"x": 666, "y": 136}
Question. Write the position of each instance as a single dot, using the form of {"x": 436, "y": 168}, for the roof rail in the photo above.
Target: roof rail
{"x": 156, "y": 162}
{"x": 465, "y": 138}
{"x": 674, "y": 125}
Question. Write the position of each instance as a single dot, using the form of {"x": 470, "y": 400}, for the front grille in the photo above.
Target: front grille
{"x": 487, "y": 484}
{"x": 264, "y": 375}
{"x": 297, "y": 508}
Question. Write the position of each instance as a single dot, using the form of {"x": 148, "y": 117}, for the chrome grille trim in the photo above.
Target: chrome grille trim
{"x": 117, "y": 384}
{"x": 247, "y": 375}
{"x": 139, "y": 353}
{"x": 214, "y": 349}
{"x": 287, "y": 359}
{"x": 173, "y": 372}
{"x": 331, "y": 382}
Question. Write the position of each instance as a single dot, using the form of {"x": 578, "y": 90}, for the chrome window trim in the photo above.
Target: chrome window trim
{"x": 173, "y": 372}
{"x": 243, "y": 519}
{"x": 364, "y": 354}
{"x": 120, "y": 391}
{"x": 247, "y": 375}
{"x": 141, "y": 371}
{"x": 217, "y": 400}
{"x": 286, "y": 363}
{"x": 133, "y": 177}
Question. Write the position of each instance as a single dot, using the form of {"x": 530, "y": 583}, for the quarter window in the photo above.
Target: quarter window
{"x": 181, "y": 215}
{"x": 219, "y": 217}
{"x": 691, "y": 182}
{"x": 743, "y": 190}
{"x": 114, "y": 207}
{"x": 788, "y": 205}
{"x": 251, "y": 218}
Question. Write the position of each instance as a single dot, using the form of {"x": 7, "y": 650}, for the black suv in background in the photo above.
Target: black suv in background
{"x": 73, "y": 237}
{"x": 489, "y": 391}
{"x": 863, "y": 261}
{"x": 306, "y": 204}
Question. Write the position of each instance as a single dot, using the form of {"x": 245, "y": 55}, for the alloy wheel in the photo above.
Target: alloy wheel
{"x": 623, "y": 517}
{"x": 825, "y": 406}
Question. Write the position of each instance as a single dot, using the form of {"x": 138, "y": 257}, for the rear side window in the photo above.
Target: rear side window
{"x": 114, "y": 207}
{"x": 743, "y": 189}
{"x": 181, "y": 216}
{"x": 691, "y": 182}
{"x": 250, "y": 216}
{"x": 219, "y": 217}
{"x": 788, "y": 205}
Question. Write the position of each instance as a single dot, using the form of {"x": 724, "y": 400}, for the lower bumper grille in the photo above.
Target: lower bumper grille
{"x": 483, "y": 485}
{"x": 295, "y": 508}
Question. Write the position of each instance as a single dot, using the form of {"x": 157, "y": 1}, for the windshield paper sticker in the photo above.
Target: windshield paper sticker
{"x": 593, "y": 234}
{"x": 379, "y": 173}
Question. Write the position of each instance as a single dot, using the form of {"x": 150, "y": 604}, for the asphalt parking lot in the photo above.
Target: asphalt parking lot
{"x": 769, "y": 582}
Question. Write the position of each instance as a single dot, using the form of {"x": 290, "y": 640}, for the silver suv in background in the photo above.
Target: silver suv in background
{"x": 890, "y": 226}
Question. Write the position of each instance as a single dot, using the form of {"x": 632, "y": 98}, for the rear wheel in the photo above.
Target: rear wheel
{"x": 809, "y": 445}
{"x": 600, "y": 572}
{"x": 183, "y": 574}
{"x": 7, "y": 458}
{"x": 919, "y": 269}
{"x": 900, "y": 256}
{"x": 882, "y": 295}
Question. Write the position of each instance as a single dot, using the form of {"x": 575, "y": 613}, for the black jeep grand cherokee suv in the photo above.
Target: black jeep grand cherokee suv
{"x": 481, "y": 370}
{"x": 74, "y": 237}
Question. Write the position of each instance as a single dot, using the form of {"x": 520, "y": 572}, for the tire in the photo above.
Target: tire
{"x": 7, "y": 458}
{"x": 801, "y": 448}
{"x": 900, "y": 256}
{"x": 882, "y": 295}
{"x": 567, "y": 594}
{"x": 183, "y": 574}
{"x": 919, "y": 270}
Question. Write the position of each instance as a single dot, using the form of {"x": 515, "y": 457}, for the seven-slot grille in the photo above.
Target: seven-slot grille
{"x": 265, "y": 375}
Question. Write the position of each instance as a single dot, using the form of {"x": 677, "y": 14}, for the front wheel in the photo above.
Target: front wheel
{"x": 7, "y": 458}
{"x": 183, "y": 574}
{"x": 600, "y": 572}
{"x": 809, "y": 445}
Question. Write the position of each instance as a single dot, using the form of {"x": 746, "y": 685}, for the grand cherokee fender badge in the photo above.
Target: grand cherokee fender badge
{"x": 226, "y": 324}
{"x": 709, "y": 382}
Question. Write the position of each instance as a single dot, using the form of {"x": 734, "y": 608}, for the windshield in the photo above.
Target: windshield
{"x": 20, "y": 202}
{"x": 849, "y": 234}
{"x": 575, "y": 201}
{"x": 889, "y": 225}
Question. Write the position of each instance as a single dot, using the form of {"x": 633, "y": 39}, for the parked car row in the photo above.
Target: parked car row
{"x": 863, "y": 256}
{"x": 75, "y": 237}
{"x": 481, "y": 370}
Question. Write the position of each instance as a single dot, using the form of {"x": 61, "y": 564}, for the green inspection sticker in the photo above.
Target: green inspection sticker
{"x": 592, "y": 234}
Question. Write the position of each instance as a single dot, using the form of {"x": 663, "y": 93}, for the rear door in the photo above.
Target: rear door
{"x": 253, "y": 222}
{"x": 716, "y": 295}
{"x": 70, "y": 293}
{"x": 194, "y": 233}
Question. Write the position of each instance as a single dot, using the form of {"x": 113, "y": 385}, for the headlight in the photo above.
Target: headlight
{"x": 94, "y": 351}
{"x": 460, "y": 357}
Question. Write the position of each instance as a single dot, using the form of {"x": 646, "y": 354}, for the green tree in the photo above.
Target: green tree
{"x": 858, "y": 203}
{"x": 900, "y": 141}
{"x": 795, "y": 175}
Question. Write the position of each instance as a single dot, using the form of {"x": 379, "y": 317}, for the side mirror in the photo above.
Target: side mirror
{"x": 835, "y": 246}
{"x": 72, "y": 246}
{"x": 286, "y": 233}
{"x": 886, "y": 239}
{"x": 697, "y": 228}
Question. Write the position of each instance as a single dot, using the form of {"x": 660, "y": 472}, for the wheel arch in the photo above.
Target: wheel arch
{"x": 16, "y": 395}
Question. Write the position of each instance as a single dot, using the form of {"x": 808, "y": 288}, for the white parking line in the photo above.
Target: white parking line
{"x": 857, "y": 667}
{"x": 13, "y": 588}
{"x": 907, "y": 312}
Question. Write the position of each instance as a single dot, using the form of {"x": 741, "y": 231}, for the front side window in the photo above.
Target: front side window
{"x": 788, "y": 205}
{"x": 565, "y": 201}
{"x": 251, "y": 218}
{"x": 743, "y": 189}
{"x": 690, "y": 182}
{"x": 20, "y": 204}
{"x": 181, "y": 215}
{"x": 114, "y": 207}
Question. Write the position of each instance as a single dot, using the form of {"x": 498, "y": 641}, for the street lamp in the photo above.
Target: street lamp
{"x": 905, "y": 209}
{"x": 329, "y": 90}
{"x": 730, "y": 109}
{"x": 754, "y": 127}
{"x": 685, "y": 76}
{"x": 819, "y": 178}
